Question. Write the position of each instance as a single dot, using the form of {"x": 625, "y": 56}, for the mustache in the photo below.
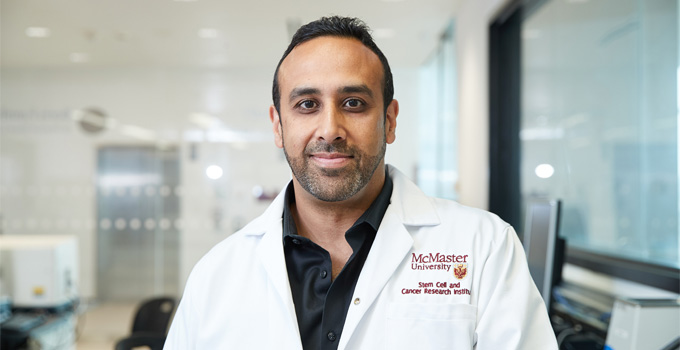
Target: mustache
{"x": 330, "y": 147}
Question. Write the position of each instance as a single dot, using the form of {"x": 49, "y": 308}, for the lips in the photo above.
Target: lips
{"x": 331, "y": 159}
{"x": 330, "y": 155}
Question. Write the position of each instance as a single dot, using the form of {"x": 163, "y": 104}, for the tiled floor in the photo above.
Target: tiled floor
{"x": 102, "y": 325}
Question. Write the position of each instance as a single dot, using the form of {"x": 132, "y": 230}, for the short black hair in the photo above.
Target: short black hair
{"x": 347, "y": 27}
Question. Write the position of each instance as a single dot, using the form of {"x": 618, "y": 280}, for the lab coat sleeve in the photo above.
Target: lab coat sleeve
{"x": 511, "y": 312}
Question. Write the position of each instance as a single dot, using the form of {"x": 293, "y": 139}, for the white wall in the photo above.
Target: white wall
{"x": 472, "y": 21}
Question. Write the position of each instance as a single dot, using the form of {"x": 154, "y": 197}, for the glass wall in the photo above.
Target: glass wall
{"x": 599, "y": 123}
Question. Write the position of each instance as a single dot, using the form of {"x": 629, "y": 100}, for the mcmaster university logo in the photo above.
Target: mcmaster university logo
{"x": 460, "y": 271}
{"x": 445, "y": 263}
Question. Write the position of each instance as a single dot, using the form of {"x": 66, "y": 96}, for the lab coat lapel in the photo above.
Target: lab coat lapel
{"x": 392, "y": 243}
{"x": 283, "y": 327}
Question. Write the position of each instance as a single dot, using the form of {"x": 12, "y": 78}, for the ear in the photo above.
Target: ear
{"x": 276, "y": 126}
{"x": 391, "y": 121}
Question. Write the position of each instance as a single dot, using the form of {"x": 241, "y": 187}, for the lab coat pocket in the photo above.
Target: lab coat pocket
{"x": 430, "y": 326}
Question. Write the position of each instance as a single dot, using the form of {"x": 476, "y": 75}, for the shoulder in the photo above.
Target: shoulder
{"x": 470, "y": 224}
{"x": 451, "y": 211}
{"x": 464, "y": 227}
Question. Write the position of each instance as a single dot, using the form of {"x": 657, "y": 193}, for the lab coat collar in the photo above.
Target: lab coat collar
{"x": 409, "y": 203}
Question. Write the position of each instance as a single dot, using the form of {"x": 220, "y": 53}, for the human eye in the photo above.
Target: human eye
{"x": 354, "y": 103}
{"x": 306, "y": 106}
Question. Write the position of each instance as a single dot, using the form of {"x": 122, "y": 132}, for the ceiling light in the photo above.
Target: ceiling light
{"x": 544, "y": 171}
{"x": 37, "y": 32}
{"x": 214, "y": 172}
{"x": 79, "y": 57}
{"x": 207, "y": 33}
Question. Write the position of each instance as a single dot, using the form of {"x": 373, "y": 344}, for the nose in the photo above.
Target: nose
{"x": 332, "y": 126}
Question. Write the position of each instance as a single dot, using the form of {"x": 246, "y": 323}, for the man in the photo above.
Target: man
{"x": 352, "y": 255}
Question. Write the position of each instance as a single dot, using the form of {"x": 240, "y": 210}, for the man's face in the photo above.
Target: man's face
{"x": 331, "y": 123}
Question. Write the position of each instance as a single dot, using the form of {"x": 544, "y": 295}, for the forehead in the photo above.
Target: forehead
{"x": 332, "y": 62}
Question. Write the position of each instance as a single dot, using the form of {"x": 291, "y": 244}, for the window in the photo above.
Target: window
{"x": 599, "y": 123}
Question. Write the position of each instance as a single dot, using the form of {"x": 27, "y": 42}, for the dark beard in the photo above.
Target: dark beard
{"x": 333, "y": 185}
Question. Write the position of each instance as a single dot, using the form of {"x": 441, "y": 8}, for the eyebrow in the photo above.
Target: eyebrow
{"x": 302, "y": 91}
{"x": 357, "y": 89}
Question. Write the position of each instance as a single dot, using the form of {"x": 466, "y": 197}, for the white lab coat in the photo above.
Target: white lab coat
{"x": 238, "y": 296}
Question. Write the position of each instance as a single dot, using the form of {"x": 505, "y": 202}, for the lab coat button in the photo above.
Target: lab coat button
{"x": 324, "y": 274}
{"x": 332, "y": 336}
{"x": 357, "y": 301}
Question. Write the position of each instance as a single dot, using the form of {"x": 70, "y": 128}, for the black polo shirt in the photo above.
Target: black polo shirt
{"x": 321, "y": 304}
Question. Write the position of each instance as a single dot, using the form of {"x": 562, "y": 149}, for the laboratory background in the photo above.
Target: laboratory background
{"x": 135, "y": 135}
